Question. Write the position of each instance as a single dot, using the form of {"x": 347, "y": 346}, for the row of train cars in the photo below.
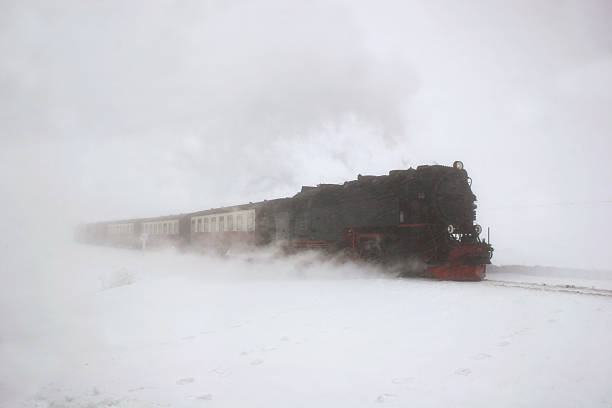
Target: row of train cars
{"x": 425, "y": 214}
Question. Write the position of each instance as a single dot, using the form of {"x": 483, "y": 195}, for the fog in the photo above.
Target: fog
{"x": 112, "y": 110}
{"x": 121, "y": 110}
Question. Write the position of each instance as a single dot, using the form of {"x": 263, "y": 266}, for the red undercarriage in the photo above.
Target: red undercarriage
{"x": 458, "y": 273}
{"x": 456, "y": 269}
{"x": 459, "y": 266}
{"x": 465, "y": 261}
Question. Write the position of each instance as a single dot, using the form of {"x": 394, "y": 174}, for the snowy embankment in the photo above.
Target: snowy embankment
{"x": 599, "y": 279}
{"x": 103, "y": 327}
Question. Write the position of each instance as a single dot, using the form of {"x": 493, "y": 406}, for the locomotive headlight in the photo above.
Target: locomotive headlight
{"x": 450, "y": 229}
{"x": 477, "y": 229}
{"x": 458, "y": 165}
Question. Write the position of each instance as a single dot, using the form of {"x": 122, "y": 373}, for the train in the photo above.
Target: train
{"x": 423, "y": 218}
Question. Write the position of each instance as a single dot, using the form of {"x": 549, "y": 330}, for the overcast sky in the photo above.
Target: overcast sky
{"x": 121, "y": 109}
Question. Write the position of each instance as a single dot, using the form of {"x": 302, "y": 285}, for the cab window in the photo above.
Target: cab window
{"x": 251, "y": 221}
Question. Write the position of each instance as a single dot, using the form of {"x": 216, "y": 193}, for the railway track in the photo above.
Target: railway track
{"x": 580, "y": 290}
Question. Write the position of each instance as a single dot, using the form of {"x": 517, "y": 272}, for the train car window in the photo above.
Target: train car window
{"x": 251, "y": 221}
{"x": 206, "y": 225}
{"x": 230, "y": 222}
{"x": 221, "y": 224}
{"x": 239, "y": 222}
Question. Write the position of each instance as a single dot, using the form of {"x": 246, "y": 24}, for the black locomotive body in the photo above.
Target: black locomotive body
{"x": 422, "y": 217}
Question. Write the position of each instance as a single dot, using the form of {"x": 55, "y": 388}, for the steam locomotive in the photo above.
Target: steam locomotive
{"x": 421, "y": 217}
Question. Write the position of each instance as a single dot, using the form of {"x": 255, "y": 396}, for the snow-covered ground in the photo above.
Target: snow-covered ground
{"x": 99, "y": 327}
